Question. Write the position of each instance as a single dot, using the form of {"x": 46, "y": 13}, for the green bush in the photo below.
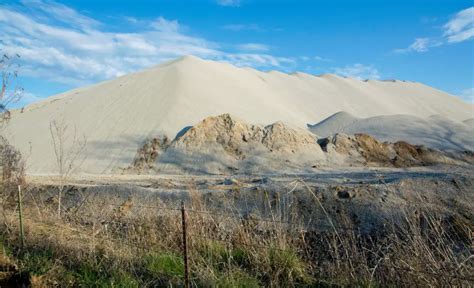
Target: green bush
{"x": 37, "y": 262}
{"x": 220, "y": 256}
{"x": 96, "y": 276}
{"x": 237, "y": 278}
{"x": 165, "y": 265}
{"x": 214, "y": 253}
{"x": 287, "y": 267}
{"x": 240, "y": 257}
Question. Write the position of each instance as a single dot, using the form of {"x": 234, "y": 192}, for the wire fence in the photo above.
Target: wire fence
{"x": 186, "y": 217}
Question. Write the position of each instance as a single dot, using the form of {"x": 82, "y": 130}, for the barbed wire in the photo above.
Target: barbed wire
{"x": 144, "y": 206}
{"x": 238, "y": 216}
{"x": 134, "y": 244}
{"x": 241, "y": 243}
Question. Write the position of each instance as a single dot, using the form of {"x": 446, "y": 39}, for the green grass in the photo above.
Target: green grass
{"x": 4, "y": 250}
{"x": 92, "y": 276}
{"x": 165, "y": 264}
{"x": 237, "y": 278}
{"x": 287, "y": 267}
{"x": 36, "y": 262}
{"x": 221, "y": 256}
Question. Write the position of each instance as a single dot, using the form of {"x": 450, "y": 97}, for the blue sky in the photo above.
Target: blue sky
{"x": 68, "y": 44}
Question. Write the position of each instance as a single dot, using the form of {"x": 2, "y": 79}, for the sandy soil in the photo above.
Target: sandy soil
{"x": 366, "y": 197}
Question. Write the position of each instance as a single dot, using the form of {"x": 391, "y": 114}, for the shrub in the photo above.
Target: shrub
{"x": 165, "y": 264}
{"x": 237, "y": 278}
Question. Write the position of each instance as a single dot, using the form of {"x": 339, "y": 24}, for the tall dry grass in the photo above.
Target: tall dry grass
{"x": 140, "y": 245}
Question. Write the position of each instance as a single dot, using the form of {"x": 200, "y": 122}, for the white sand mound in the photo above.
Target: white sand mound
{"x": 117, "y": 116}
{"x": 435, "y": 131}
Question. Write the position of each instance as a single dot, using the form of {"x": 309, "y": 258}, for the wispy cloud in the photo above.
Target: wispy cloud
{"x": 358, "y": 71}
{"x": 322, "y": 59}
{"x": 77, "y": 49}
{"x": 258, "y": 60}
{"x": 243, "y": 27}
{"x": 61, "y": 13}
{"x": 313, "y": 58}
{"x": 458, "y": 29}
{"x": 231, "y": 3}
{"x": 253, "y": 47}
{"x": 420, "y": 45}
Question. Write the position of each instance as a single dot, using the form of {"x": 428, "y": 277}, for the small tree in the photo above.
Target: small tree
{"x": 10, "y": 90}
{"x": 11, "y": 161}
{"x": 66, "y": 152}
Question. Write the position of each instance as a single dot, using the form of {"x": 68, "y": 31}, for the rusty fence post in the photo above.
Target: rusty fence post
{"x": 20, "y": 216}
{"x": 185, "y": 246}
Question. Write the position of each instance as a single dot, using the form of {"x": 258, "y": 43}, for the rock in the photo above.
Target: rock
{"x": 230, "y": 181}
{"x": 344, "y": 193}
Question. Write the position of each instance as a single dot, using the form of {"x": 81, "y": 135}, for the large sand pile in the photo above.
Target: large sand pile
{"x": 117, "y": 116}
{"x": 435, "y": 131}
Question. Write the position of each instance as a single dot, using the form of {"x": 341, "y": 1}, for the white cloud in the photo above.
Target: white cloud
{"x": 77, "y": 49}
{"x": 468, "y": 95}
{"x": 460, "y": 27}
{"x": 419, "y": 45}
{"x": 231, "y": 3}
{"x": 61, "y": 12}
{"x": 161, "y": 24}
{"x": 313, "y": 58}
{"x": 358, "y": 71}
{"x": 257, "y": 60}
{"x": 253, "y": 47}
{"x": 322, "y": 59}
{"x": 242, "y": 27}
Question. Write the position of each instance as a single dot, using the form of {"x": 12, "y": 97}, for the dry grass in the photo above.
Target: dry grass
{"x": 132, "y": 245}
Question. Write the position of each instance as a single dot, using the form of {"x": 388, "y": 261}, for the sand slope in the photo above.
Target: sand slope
{"x": 118, "y": 115}
{"x": 435, "y": 131}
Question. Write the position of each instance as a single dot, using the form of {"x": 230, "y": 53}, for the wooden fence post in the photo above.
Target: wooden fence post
{"x": 20, "y": 215}
{"x": 185, "y": 246}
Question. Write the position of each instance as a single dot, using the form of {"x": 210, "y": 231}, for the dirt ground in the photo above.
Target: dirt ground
{"x": 366, "y": 197}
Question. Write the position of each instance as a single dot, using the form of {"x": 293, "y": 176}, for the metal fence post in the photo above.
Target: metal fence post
{"x": 185, "y": 246}
{"x": 20, "y": 215}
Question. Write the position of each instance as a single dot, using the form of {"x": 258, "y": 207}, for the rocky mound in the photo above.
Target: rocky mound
{"x": 224, "y": 144}
{"x": 436, "y": 131}
{"x": 237, "y": 137}
{"x": 149, "y": 152}
{"x": 365, "y": 150}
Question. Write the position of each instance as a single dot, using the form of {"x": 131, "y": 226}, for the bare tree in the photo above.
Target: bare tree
{"x": 67, "y": 149}
{"x": 11, "y": 163}
{"x": 10, "y": 89}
